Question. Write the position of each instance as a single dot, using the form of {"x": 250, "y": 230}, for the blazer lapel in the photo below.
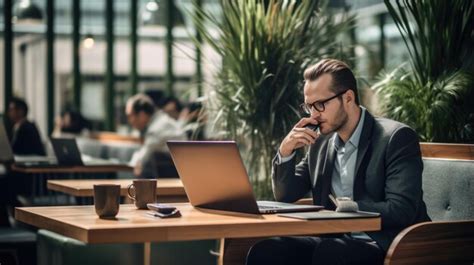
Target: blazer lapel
{"x": 364, "y": 144}
{"x": 323, "y": 182}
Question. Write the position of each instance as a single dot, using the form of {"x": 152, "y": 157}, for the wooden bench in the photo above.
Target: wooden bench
{"x": 431, "y": 243}
{"x": 448, "y": 185}
{"x": 452, "y": 151}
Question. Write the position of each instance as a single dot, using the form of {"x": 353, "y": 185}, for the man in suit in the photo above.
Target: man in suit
{"x": 25, "y": 137}
{"x": 374, "y": 161}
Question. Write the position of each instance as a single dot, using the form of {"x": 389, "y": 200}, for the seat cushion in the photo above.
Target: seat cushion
{"x": 184, "y": 252}
{"x": 10, "y": 235}
{"x": 17, "y": 246}
{"x": 57, "y": 249}
{"x": 448, "y": 187}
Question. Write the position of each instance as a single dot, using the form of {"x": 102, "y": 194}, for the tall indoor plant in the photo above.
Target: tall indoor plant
{"x": 265, "y": 47}
{"x": 435, "y": 92}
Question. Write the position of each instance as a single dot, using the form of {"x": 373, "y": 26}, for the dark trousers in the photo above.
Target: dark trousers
{"x": 330, "y": 250}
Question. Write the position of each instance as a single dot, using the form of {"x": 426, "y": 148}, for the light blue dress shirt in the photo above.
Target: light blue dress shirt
{"x": 342, "y": 181}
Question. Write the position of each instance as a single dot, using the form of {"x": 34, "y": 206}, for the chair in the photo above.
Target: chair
{"x": 158, "y": 165}
{"x": 448, "y": 186}
{"x": 55, "y": 249}
{"x": 433, "y": 243}
{"x": 17, "y": 246}
{"x": 165, "y": 166}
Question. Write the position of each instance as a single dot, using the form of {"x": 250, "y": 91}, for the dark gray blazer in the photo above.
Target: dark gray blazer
{"x": 387, "y": 179}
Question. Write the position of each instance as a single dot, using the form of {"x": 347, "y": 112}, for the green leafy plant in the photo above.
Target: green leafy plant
{"x": 265, "y": 47}
{"x": 437, "y": 110}
{"x": 436, "y": 94}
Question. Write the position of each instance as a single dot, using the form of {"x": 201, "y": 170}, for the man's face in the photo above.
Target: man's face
{"x": 14, "y": 114}
{"x": 334, "y": 115}
{"x": 138, "y": 120}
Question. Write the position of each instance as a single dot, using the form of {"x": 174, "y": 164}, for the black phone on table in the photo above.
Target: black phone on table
{"x": 161, "y": 207}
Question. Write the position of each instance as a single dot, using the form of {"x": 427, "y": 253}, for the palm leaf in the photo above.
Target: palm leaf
{"x": 436, "y": 95}
{"x": 265, "y": 47}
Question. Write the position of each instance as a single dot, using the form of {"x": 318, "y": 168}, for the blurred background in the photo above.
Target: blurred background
{"x": 239, "y": 63}
{"x": 147, "y": 54}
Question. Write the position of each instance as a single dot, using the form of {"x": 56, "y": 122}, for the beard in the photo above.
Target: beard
{"x": 340, "y": 120}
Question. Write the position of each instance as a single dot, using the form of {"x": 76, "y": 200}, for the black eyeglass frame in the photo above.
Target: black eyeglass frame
{"x": 319, "y": 105}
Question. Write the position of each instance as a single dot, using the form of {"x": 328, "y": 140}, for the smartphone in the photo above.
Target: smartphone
{"x": 161, "y": 207}
{"x": 312, "y": 126}
{"x": 174, "y": 213}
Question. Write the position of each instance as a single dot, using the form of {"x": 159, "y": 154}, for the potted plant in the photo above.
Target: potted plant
{"x": 434, "y": 94}
{"x": 265, "y": 47}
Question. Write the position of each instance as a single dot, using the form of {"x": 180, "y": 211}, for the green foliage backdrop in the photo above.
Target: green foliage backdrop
{"x": 435, "y": 95}
{"x": 265, "y": 47}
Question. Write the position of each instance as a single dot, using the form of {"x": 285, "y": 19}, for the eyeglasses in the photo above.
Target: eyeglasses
{"x": 318, "y": 105}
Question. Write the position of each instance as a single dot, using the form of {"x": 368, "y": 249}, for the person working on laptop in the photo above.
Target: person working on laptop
{"x": 155, "y": 127}
{"x": 374, "y": 161}
{"x": 71, "y": 123}
{"x": 25, "y": 137}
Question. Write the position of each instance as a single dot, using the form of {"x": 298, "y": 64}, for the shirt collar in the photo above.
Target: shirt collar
{"x": 355, "y": 137}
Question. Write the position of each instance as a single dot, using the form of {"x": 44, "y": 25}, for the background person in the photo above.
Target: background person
{"x": 155, "y": 127}
{"x": 71, "y": 122}
{"x": 25, "y": 137}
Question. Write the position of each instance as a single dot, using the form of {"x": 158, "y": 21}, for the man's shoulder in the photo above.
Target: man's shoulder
{"x": 389, "y": 124}
{"x": 28, "y": 126}
{"x": 387, "y": 128}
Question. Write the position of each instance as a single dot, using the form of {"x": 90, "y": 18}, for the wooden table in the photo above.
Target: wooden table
{"x": 167, "y": 190}
{"x": 32, "y": 181}
{"x": 72, "y": 169}
{"x": 132, "y": 225}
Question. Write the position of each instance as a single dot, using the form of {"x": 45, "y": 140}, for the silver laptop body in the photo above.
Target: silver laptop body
{"x": 214, "y": 177}
{"x": 6, "y": 153}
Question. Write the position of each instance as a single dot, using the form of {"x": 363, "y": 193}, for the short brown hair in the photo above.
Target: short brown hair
{"x": 342, "y": 76}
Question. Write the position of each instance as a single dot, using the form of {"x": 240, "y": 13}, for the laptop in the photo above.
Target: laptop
{"x": 68, "y": 154}
{"x": 65, "y": 149}
{"x": 214, "y": 177}
{"x": 6, "y": 153}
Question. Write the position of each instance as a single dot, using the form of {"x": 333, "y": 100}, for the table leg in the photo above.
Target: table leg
{"x": 220, "y": 261}
{"x": 147, "y": 253}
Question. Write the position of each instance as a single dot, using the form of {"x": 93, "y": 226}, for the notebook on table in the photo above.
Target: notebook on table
{"x": 214, "y": 177}
{"x": 330, "y": 215}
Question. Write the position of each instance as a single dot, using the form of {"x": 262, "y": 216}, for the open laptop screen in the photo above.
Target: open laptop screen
{"x": 6, "y": 153}
{"x": 214, "y": 177}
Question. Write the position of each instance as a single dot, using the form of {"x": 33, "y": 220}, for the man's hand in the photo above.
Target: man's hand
{"x": 298, "y": 137}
